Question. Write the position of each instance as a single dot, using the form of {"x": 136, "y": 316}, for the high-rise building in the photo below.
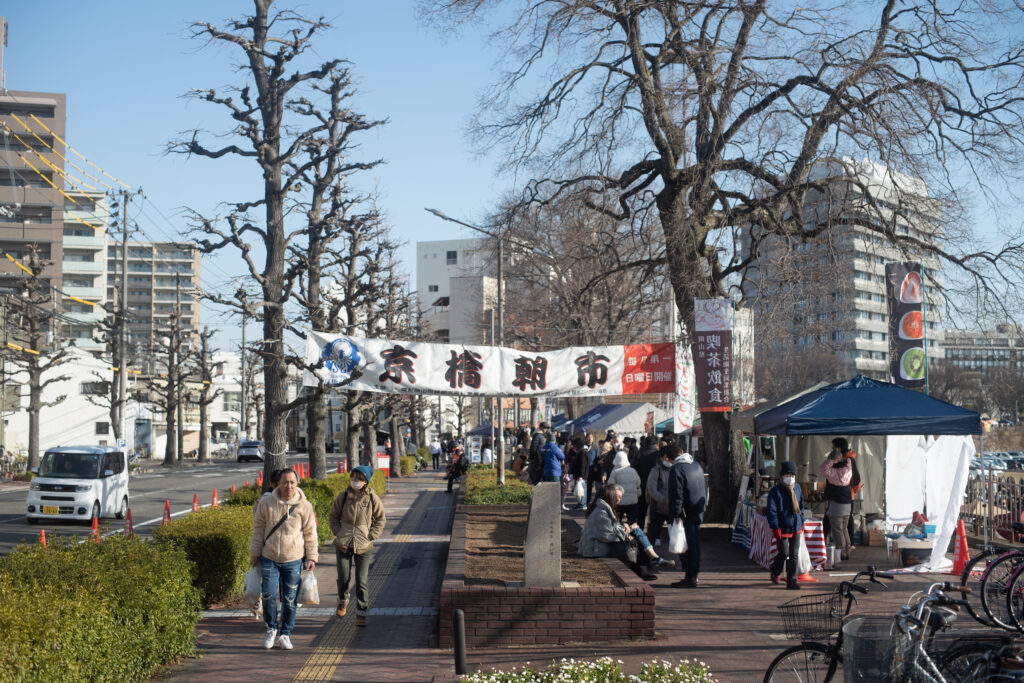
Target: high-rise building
{"x": 84, "y": 267}
{"x": 31, "y": 208}
{"x": 819, "y": 300}
{"x": 160, "y": 274}
{"x": 1002, "y": 348}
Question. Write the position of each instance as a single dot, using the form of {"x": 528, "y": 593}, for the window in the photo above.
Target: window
{"x": 431, "y": 288}
{"x": 102, "y": 428}
{"x": 113, "y": 462}
{"x": 452, "y": 257}
{"x": 232, "y": 401}
{"x": 95, "y": 389}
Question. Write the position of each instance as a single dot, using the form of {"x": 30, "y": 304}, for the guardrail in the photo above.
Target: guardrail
{"x": 992, "y": 501}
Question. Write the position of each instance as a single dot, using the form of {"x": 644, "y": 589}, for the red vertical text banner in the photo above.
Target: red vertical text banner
{"x": 904, "y": 290}
{"x": 712, "y": 354}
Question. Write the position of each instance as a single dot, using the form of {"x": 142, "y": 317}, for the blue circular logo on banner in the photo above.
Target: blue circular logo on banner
{"x": 341, "y": 357}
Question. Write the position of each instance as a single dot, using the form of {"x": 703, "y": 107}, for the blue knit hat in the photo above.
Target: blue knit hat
{"x": 364, "y": 470}
{"x": 788, "y": 467}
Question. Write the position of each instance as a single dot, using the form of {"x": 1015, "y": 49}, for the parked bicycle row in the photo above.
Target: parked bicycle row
{"x": 917, "y": 643}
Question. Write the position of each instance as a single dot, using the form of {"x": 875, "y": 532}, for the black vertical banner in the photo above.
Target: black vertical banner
{"x": 904, "y": 290}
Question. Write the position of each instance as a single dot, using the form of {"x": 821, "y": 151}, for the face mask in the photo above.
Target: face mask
{"x": 358, "y": 485}
{"x": 789, "y": 480}
{"x": 666, "y": 463}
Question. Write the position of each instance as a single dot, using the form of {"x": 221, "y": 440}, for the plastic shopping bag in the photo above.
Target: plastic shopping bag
{"x": 581, "y": 491}
{"x": 803, "y": 558}
{"x": 309, "y": 591}
{"x": 677, "y": 538}
{"x": 253, "y": 588}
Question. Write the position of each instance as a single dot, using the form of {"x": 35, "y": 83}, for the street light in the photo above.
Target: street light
{"x": 501, "y": 326}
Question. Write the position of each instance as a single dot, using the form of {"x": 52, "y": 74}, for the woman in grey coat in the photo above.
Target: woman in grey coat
{"x": 605, "y": 536}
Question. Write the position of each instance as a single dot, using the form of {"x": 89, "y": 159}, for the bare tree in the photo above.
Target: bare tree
{"x": 206, "y": 394}
{"x": 40, "y": 352}
{"x": 713, "y": 117}
{"x": 264, "y": 110}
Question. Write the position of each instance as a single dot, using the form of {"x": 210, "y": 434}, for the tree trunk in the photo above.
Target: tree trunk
{"x": 204, "y": 431}
{"x": 367, "y": 456}
{"x": 171, "y": 447}
{"x": 315, "y": 434}
{"x": 396, "y": 446}
{"x": 351, "y": 445}
{"x": 533, "y": 413}
{"x": 718, "y": 465}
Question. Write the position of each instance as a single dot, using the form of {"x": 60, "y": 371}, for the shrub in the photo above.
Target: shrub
{"x": 482, "y": 488}
{"x": 216, "y": 540}
{"x": 246, "y": 495}
{"x": 408, "y": 465}
{"x": 116, "y": 610}
{"x": 423, "y": 452}
{"x": 604, "y": 669}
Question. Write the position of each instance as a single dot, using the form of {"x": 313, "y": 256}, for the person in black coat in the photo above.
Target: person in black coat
{"x": 687, "y": 498}
{"x": 646, "y": 460}
{"x": 785, "y": 514}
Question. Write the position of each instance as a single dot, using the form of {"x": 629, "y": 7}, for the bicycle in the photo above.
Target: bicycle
{"x": 815, "y": 620}
{"x": 992, "y": 586}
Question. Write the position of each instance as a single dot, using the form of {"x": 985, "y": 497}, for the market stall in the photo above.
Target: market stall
{"x": 624, "y": 418}
{"x": 752, "y": 532}
{"x": 902, "y": 469}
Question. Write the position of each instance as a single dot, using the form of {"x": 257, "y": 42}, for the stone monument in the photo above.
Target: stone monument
{"x": 543, "y": 559}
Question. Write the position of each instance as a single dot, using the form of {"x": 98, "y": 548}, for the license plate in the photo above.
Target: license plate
{"x": 51, "y": 510}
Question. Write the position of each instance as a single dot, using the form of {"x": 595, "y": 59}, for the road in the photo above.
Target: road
{"x": 147, "y": 492}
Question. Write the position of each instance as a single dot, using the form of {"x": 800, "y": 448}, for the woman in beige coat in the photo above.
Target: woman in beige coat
{"x": 283, "y": 532}
{"x": 357, "y": 519}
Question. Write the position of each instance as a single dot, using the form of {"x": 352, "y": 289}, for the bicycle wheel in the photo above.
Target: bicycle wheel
{"x": 966, "y": 661}
{"x": 1015, "y": 597}
{"x": 806, "y": 663}
{"x": 994, "y": 587}
{"x": 972, "y": 579}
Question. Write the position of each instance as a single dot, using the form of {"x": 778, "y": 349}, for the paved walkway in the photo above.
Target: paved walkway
{"x": 731, "y": 622}
{"x": 399, "y": 642}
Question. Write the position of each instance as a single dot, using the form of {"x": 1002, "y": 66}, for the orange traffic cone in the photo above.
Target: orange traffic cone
{"x": 129, "y": 527}
{"x": 806, "y": 578}
{"x": 232, "y": 488}
{"x": 246, "y": 483}
{"x": 339, "y": 467}
{"x": 95, "y": 533}
{"x": 42, "y": 537}
{"x": 344, "y": 466}
{"x": 961, "y": 554}
{"x": 195, "y": 502}
{"x": 259, "y": 479}
{"x": 215, "y": 503}
{"x": 167, "y": 513}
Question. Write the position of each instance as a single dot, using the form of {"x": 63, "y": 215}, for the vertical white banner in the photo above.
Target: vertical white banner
{"x": 686, "y": 395}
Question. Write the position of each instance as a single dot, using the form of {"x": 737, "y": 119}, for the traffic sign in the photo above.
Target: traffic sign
{"x": 122, "y": 443}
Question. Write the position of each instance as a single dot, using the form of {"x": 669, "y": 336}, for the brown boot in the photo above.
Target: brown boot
{"x": 360, "y": 618}
{"x": 340, "y": 611}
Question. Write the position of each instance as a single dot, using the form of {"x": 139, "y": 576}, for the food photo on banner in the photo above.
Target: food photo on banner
{"x": 390, "y": 366}
{"x": 905, "y": 296}
{"x": 712, "y": 359}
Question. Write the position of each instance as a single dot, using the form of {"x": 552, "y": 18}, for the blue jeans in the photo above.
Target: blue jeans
{"x": 641, "y": 539}
{"x": 288, "y": 574}
{"x": 691, "y": 558}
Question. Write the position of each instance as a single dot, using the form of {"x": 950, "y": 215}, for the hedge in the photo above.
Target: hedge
{"x": 408, "y": 465}
{"x": 112, "y": 611}
{"x": 217, "y": 539}
{"x": 604, "y": 669}
{"x": 482, "y": 488}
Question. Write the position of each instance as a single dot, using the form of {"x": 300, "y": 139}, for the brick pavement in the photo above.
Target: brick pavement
{"x": 730, "y": 622}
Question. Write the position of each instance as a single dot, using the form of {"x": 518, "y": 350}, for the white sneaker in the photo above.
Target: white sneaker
{"x": 268, "y": 640}
{"x": 285, "y": 642}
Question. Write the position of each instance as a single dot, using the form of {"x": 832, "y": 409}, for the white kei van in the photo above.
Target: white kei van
{"x": 79, "y": 483}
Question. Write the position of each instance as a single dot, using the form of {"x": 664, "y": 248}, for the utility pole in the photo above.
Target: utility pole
{"x": 501, "y": 342}
{"x": 177, "y": 374}
{"x": 3, "y": 354}
{"x": 122, "y": 325}
{"x": 242, "y": 426}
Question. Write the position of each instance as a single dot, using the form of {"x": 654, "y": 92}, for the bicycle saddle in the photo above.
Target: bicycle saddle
{"x": 941, "y": 618}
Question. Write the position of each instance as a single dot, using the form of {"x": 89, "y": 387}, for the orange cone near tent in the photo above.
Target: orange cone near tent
{"x": 167, "y": 513}
{"x": 95, "y": 533}
{"x": 215, "y": 503}
{"x": 42, "y": 537}
{"x": 960, "y": 553}
{"x": 129, "y": 527}
{"x": 806, "y": 578}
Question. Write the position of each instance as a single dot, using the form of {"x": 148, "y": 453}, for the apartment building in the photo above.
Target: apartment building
{"x": 823, "y": 301}
{"x": 84, "y": 266}
{"x": 160, "y": 274}
{"x": 457, "y": 288}
{"x": 1001, "y": 348}
{"x": 31, "y": 208}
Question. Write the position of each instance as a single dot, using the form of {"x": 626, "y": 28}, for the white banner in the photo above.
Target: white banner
{"x": 686, "y": 393}
{"x": 421, "y": 368}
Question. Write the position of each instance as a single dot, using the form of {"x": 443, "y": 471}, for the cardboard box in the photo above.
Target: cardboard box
{"x": 876, "y": 538}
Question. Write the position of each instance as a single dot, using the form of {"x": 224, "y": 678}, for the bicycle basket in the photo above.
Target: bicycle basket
{"x": 873, "y": 649}
{"x": 813, "y": 617}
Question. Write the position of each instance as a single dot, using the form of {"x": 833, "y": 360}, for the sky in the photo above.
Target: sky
{"x": 124, "y": 66}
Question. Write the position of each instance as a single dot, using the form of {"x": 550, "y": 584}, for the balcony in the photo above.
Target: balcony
{"x": 97, "y": 241}
{"x": 91, "y": 267}
{"x": 84, "y": 292}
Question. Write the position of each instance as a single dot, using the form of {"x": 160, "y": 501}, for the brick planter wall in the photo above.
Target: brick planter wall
{"x": 497, "y": 615}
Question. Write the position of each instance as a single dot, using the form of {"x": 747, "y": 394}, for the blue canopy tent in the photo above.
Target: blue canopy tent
{"x": 865, "y": 406}
{"x": 622, "y": 417}
{"x": 482, "y": 429}
{"x": 869, "y": 410}
{"x": 560, "y": 422}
